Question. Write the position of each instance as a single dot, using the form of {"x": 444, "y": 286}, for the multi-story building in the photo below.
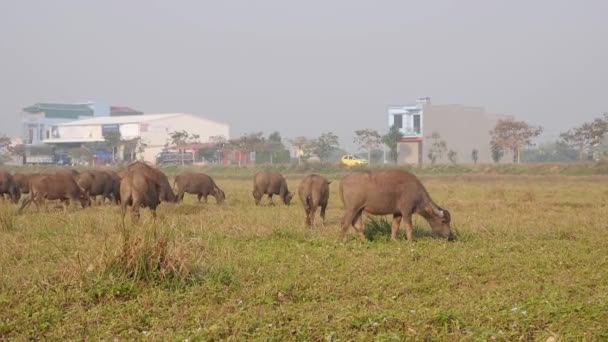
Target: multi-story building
{"x": 463, "y": 128}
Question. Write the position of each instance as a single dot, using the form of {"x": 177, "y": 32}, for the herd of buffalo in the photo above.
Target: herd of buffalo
{"x": 381, "y": 192}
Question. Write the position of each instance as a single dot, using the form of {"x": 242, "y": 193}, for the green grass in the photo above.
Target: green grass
{"x": 531, "y": 262}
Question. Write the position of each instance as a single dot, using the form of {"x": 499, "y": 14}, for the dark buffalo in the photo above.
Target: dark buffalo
{"x": 165, "y": 192}
{"x": 200, "y": 184}
{"x": 144, "y": 186}
{"x": 314, "y": 192}
{"x": 270, "y": 183}
{"x": 60, "y": 186}
{"x": 99, "y": 183}
{"x": 9, "y": 187}
{"x": 390, "y": 192}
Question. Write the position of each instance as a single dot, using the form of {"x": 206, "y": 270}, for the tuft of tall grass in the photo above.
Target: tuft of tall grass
{"x": 8, "y": 217}
{"x": 150, "y": 254}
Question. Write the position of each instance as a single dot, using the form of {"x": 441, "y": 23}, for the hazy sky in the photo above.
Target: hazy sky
{"x": 308, "y": 66}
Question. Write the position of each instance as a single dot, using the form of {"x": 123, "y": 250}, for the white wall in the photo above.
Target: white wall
{"x": 156, "y": 134}
{"x": 79, "y": 132}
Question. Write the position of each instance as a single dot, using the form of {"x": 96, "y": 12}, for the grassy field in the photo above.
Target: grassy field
{"x": 531, "y": 263}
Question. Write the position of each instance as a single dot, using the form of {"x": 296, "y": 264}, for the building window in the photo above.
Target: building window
{"x": 417, "y": 124}
{"x": 398, "y": 120}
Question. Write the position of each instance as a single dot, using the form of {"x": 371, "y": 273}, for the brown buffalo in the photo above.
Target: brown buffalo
{"x": 137, "y": 190}
{"x": 23, "y": 181}
{"x": 200, "y": 184}
{"x": 390, "y": 192}
{"x": 270, "y": 183}
{"x": 165, "y": 192}
{"x": 60, "y": 186}
{"x": 314, "y": 192}
{"x": 9, "y": 187}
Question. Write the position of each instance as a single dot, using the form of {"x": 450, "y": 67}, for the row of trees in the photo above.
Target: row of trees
{"x": 587, "y": 136}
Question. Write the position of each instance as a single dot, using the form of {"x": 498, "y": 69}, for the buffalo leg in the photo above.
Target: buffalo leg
{"x": 358, "y": 224}
{"x": 313, "y": 209}
{"x": 395, "y": 226}
{"x": 323, "y": 207}
{"x": 347, "y": 221}
{"x": 270, "y": 198}
{"x": 205, "y": 198}
{"x": 409, "y": 230}
{"x": 307, "y": 212}
{"x": 25, "y": 203}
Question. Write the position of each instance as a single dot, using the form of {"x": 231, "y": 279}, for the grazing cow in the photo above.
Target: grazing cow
{"x": 270, "y": 183}
{"x": 390, "y": 192}
{"x": 314, "y": 192}
{"x": 144, "y": 186}
{"x": 9, "y": 187}
{"x": 200, "y": 184}
{"x": 60, "y": 186}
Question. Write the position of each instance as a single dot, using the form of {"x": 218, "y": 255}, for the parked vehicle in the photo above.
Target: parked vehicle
{"x": 350, "y": 160}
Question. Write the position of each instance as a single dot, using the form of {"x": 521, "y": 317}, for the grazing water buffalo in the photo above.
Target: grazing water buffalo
{"x": 314, "y": 192}
{"x": 165, "y": 192}
{"x": 60, "y": 186}
{"x": 137, "y": 190}
{"x": 9, "y": 187}
{"x": 270, "y": 183}
{"x": 23, "y": 181}
{"x": 144, "y": 186}
{"x": 198, "y": 183}
{"x": 390, "y": 192}
{"x": 99, "y": 183}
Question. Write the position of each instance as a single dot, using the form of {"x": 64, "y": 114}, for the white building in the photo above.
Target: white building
{"x": 152, "y": 129}
{"x": 463, "y": 128}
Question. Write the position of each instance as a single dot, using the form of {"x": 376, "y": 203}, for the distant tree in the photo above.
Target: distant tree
{"x": 178, "y": 139}
{"x": 113, "y": 142}
{"x": 247, "y": 143}
{"x": 324, "y": 145}
{"x": 438, "y": 148}
{"x": 475, "y": 155}
{"x": 452, "y": 156}
{"x": 274, "y": 144}
{"x": 367, "y": 139}
{"x": 497, "y": 152}
{"x": 557, "y": 151}
{"x": 81, "y": 154}
{"x": 514, "y": 135}
{"x": 219, "y": 142}
{"x": 587, "y": 135}
{"x": 6, "y": 148}
{"x": 301, "y": 144}
{"x": 391, "y": 140}
{"x": 181, "y": 138}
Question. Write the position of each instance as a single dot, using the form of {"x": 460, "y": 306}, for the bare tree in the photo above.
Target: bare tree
{"x": 367, "y": 139}
{"x": 514, "y": 135}
{"x": 438, "y": 148}
{"x": 475, "y": 155}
